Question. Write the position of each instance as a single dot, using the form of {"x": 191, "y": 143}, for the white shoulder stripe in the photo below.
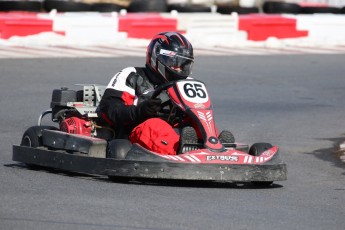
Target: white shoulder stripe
{"x": 118, "y": 82}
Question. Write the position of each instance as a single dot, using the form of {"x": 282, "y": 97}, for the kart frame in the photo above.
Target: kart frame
{"x": 158, "y": 169}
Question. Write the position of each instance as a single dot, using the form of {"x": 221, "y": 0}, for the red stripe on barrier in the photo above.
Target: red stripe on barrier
{"x": 15, "y": 16}
{"x": 145, "y": 25}
{"x": 260, "y": 27}
{"x": 24, "y": 27}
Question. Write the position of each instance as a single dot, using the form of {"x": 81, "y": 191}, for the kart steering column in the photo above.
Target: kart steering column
{"x": 205, "y": 122}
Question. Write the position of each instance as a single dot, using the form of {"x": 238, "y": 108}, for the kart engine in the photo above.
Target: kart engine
{"x": 71, "y": 120}
{"x": 76, "y": 125}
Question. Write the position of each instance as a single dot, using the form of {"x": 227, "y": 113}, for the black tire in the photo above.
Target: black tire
{"x": 118, "y": 148}
{"x": 226, "y": 137}
{"x": 228, "y": 9}
{"x": 258, "y": 148}
{"x": 342, "y": 10}
{"x": 106, "y": 7}
{"x": 247, "y": 10}
{"x": 32, "y": 137}
{"x": 65, "y": 6}
{"x": 281, "y": 7}
{"x": 31, "y": 6}
{"x": 148, "y": 6}
{"x": 190, "y": 8}
{"x": 319, "y": 10}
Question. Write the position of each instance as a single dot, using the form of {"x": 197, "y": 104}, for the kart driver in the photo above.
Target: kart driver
{"x": 127, "y": 106}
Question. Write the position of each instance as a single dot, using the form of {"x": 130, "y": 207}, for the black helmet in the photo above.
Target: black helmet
{"x": 170, "y": 55}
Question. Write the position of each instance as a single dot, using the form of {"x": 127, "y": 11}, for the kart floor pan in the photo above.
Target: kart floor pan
{"x": 148, "y": 169}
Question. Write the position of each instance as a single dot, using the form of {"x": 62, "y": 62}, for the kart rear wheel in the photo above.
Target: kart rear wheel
{"x": 256, "y": 150}
{"x": 32, "y": 137}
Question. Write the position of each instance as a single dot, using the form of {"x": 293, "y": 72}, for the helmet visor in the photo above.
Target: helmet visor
{"x": 178, "y": 64}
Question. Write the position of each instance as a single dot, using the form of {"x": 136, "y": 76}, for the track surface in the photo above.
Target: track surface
{"x": 32, "y": 51}
{"x": 296, "y": 102}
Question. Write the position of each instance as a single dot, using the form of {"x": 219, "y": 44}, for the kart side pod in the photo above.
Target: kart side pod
{"x": 93, "y": 147}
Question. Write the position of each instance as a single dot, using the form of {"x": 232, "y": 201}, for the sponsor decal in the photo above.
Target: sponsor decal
{"x": 167, "y": 52}
{"x": 115, "y": 79}
{"x": 199, "y": 106}
{"x": 89, "y": 111}
{"x": 222, "y": 158}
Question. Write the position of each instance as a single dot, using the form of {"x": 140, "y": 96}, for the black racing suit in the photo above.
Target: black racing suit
{"x": 127, "y": 89}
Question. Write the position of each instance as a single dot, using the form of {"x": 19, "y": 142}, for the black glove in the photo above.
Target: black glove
{"x": 149, "y": 108}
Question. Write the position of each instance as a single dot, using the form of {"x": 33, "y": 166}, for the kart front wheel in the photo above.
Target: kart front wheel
{"x": 256, "y": 150}
{"x": 118, "y": 149}
{"x": 226, "y": 137}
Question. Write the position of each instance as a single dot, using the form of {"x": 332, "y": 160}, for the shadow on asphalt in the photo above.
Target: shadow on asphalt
{"x": 146, "y": 182}
{"x": 332, "y": 154}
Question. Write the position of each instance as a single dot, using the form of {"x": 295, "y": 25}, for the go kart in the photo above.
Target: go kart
{"x": 82, "y": 144}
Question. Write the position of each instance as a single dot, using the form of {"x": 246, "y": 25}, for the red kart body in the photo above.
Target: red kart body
{"x": 229, "y": 156}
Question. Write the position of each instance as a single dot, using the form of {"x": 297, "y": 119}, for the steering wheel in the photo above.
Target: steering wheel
{"x": 162, "y": 87}
{"x": 165, "y": 114}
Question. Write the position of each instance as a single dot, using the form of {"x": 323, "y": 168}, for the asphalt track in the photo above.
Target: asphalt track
{"x": 293, "y": 101}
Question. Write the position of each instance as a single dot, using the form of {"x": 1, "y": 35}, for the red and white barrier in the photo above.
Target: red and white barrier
{"x": 201, "y": 28}
{"x": 329, "y": 28}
